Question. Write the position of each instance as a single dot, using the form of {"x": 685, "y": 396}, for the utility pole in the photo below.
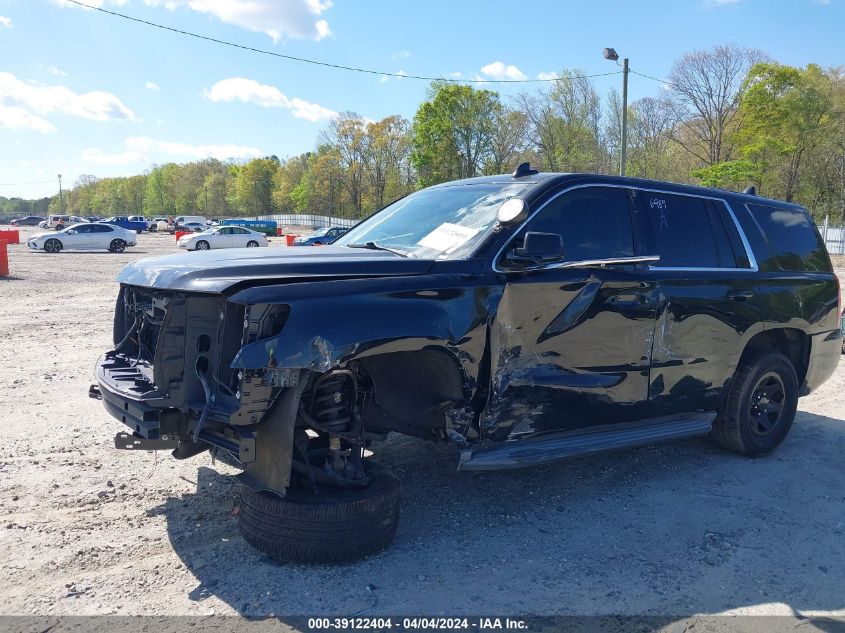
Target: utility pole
{"x": 61, "y": 197}
{"x": 624, "y": 117}
{"x": 612, "y": 55}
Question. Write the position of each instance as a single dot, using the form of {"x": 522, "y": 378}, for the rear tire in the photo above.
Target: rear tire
{"x": 760, "y": 406}
{"x": 53, "y": 245}
{"x": 117, "y": 245}
{"x": 330, "y": 527}
{"x": 202, "y": 245}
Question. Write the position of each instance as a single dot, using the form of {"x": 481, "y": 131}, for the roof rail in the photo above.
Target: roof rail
{"x": 524, "y": 169}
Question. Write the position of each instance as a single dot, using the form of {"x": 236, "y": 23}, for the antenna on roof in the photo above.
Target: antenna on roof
{"x": 751, "y": 191}
{"x": 524, "y": 170}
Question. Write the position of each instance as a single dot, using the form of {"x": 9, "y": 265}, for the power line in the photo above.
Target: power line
{"x": 662, "y": 81}
{"x": 325, "y": 64}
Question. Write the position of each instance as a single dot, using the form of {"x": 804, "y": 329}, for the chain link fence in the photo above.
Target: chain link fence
{"x": 305, "y": 220}
{"x": 833, "y": 236}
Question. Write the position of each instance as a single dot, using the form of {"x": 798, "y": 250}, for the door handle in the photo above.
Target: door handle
{"x": 740, "y": 295}
{"x": 628, "y": 300}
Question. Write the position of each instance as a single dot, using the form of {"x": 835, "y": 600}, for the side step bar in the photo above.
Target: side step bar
{"x": 557, "y": 446}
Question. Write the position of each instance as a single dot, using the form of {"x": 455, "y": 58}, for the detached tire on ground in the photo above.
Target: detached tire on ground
{"x": 760, "y": 406}
{"x": 330, "y": 527}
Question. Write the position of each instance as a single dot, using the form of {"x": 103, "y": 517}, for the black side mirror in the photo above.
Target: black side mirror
{"x": 538, "y": 248}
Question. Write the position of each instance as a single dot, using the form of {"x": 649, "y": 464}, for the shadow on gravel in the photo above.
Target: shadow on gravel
{"x": 663, "y": 530}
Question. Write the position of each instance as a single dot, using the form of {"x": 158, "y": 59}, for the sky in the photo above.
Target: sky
{"x": 82, "y": 92}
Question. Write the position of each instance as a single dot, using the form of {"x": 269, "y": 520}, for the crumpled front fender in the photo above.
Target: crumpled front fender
{"x": 333, "y": 322}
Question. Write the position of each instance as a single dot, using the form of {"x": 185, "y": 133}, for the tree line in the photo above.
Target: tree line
{"x": 728, "y": 117}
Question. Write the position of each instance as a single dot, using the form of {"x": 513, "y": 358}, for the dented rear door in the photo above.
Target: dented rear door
{"x": 710, "y": 305}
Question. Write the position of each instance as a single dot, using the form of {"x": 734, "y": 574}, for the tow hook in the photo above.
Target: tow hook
{"x": 129, "y": 442}
{"x": 94, "y": 392}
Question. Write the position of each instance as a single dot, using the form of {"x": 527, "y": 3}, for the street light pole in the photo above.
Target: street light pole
{"x": 624, "y": 152}
{"x": 61, "y": 197}
{"x": 612, "y": 55}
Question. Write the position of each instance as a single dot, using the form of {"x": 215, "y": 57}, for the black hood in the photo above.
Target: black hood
{"x": 215, "y": 271}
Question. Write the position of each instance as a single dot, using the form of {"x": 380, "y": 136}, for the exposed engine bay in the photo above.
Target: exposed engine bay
{"x": 173, "y": 378}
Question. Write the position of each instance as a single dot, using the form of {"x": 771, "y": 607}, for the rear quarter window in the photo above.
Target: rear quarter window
{"x": 793, "y": 241}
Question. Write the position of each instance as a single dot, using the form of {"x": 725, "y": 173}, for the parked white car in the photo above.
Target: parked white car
{"x": 85, "y": 236}
{"x": 223, "y": 237}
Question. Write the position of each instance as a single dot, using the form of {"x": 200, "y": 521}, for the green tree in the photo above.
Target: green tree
{"x": 787, "y": 112}
{"x": 252, "y": 193}
{"x": 452, "y": 132}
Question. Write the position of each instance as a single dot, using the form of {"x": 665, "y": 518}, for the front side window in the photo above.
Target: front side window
{"x": 681, "y": 229}
{"x": 440, "y": 223}
{"x": 593, "y": 222}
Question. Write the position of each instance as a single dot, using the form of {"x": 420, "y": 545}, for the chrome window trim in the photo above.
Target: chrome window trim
{"x": 745, "y": 243}
{"x": 609, "y": 261}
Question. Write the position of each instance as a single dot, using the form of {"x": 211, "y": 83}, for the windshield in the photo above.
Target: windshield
{"x": 319, "y": 233}
{"x": 441, "y": 223}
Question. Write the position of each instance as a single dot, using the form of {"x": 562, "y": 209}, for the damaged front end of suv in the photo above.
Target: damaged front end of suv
{"x": 293, "y": 362}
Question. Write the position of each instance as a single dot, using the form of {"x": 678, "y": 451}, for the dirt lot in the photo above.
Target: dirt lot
{"x": 678, "y": 529}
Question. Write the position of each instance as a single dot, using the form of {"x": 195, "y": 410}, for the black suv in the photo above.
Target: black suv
{"x": 525, "y": 318}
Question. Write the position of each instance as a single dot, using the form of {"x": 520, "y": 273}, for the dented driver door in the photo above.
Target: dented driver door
{"x": 571, "y": 347}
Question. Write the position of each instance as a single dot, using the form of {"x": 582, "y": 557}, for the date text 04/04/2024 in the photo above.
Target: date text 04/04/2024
{"x": 420, "y": 623}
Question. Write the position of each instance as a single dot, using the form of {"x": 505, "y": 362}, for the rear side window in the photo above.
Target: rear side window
{"x": 732, "y": 252}
{"x": 594, "y": 222}
{"x": 794, "y": 243}
{"x": 682, "y": 230}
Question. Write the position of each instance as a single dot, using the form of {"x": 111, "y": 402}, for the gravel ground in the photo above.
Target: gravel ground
{"x": 678, "y": 529}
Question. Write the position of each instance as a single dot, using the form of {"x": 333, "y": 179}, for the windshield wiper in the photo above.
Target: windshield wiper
{"x": 378, "y": 247}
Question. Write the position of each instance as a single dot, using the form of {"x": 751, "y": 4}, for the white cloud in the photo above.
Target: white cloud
{"x": 56, "y": 71}
{"x": 250, "y": 91}
{"x": 140, "y": 149}
{"x": 499, "y": 70}
{"x": 400, "y": 74}
{"x": 4, "y": 21}
{"x": 549, "y": 75}
{"x": 277, "y": 18}
{"x": 20, "y": 119}
{"x": 151, "y": 86}
{"x": 44, "y": 99}
{"x": 146, "y": 145}
{"x": 403, "y": 54}
{"x": 94, "y": 155}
